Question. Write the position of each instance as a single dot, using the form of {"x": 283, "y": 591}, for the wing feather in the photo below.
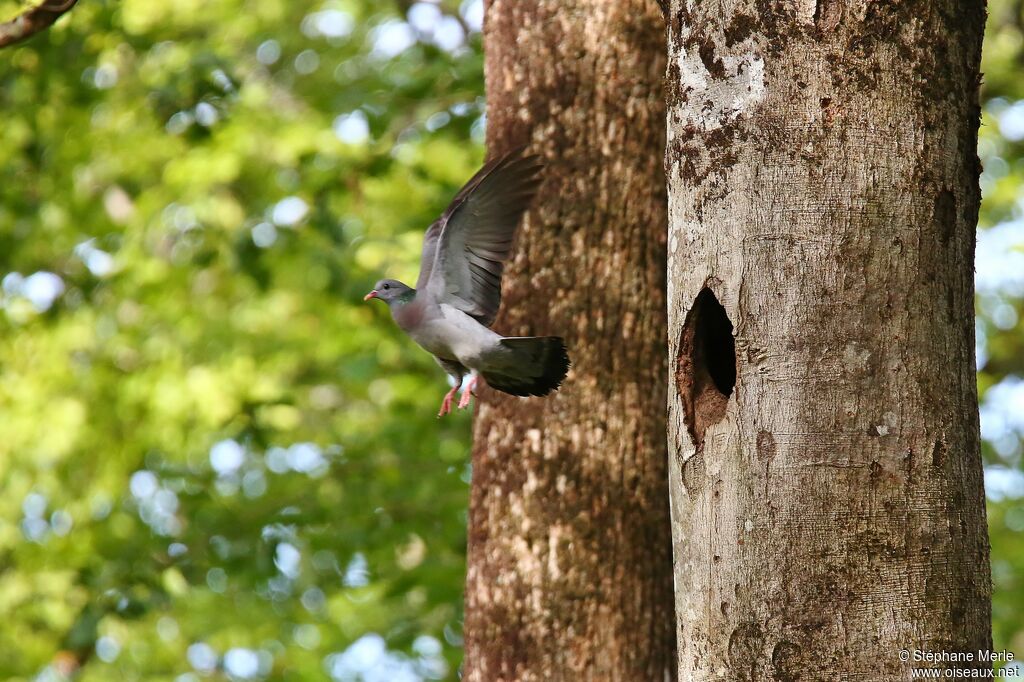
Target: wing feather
{"x": 465, "y": 250}
{"x": 429, "y": 252}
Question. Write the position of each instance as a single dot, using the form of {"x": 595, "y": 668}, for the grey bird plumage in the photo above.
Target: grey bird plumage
{"x": 458, "y": 292}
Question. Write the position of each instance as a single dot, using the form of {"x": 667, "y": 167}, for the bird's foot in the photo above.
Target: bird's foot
{"x": 446, "y": 404}
{"x": 469, "y": 392}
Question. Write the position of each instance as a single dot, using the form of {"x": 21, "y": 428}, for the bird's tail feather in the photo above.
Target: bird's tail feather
{"x": 537, "y": 366}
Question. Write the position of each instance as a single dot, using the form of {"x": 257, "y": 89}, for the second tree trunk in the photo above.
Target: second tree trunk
{"x": 827, "y": 483}
{"x": 569, "y": 543}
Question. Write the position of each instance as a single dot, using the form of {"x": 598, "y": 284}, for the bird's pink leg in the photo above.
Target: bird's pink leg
{"x": 446, "y": 404}
{"x": 464, "y": 400}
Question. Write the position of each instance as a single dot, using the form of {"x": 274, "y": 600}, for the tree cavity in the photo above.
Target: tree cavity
{"x": 705, "y": 365}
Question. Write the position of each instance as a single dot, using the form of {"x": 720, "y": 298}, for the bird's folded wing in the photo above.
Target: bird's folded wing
{"x": 473, "y": 239}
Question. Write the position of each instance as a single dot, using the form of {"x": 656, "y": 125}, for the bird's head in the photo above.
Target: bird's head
{"x": 389, "y": 291}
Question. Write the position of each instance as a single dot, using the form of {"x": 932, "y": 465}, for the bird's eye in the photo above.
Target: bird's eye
{"x": 386, "y": 286}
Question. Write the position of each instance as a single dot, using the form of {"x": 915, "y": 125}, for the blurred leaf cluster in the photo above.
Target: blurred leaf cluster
{"x": 215, "y": 459}
{"x": 1000, "y": 309}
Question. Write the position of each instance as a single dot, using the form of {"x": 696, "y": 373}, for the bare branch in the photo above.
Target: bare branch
{"x": 33, "y": 21}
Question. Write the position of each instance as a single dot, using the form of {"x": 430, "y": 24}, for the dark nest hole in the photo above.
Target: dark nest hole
{"x": 705, "y": 365}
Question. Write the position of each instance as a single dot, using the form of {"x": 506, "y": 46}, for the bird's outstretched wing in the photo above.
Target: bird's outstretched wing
{"x": 465, "y": 250}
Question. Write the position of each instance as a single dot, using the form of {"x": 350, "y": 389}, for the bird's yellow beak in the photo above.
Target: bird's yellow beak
{"x": 372, "y": 294}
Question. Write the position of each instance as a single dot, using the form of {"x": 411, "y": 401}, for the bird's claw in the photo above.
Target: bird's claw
{"x": 468, "y": 393}
{"x": 446, "y": 404}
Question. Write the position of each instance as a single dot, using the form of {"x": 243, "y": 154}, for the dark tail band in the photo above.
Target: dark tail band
{"x": 541, "y": 365}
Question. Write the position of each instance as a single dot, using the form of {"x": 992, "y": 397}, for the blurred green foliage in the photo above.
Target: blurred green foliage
{"x": 1000, "y": 307}
{"x": 215, "y": 460}
{"x": 213, "y": 454}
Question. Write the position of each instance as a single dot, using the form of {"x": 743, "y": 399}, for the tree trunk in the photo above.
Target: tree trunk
{"x": 826, "y": 479}
{"x": 570, "y": 574}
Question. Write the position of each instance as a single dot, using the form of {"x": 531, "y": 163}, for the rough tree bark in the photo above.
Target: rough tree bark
{"x": 570, "y": 573}
{"x": 826, "y": 479}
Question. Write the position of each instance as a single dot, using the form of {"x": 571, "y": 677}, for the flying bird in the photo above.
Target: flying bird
{"x": 458, "y": 291}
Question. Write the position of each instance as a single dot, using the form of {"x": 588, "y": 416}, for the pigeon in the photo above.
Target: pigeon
{"x": 458, "y": 292}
